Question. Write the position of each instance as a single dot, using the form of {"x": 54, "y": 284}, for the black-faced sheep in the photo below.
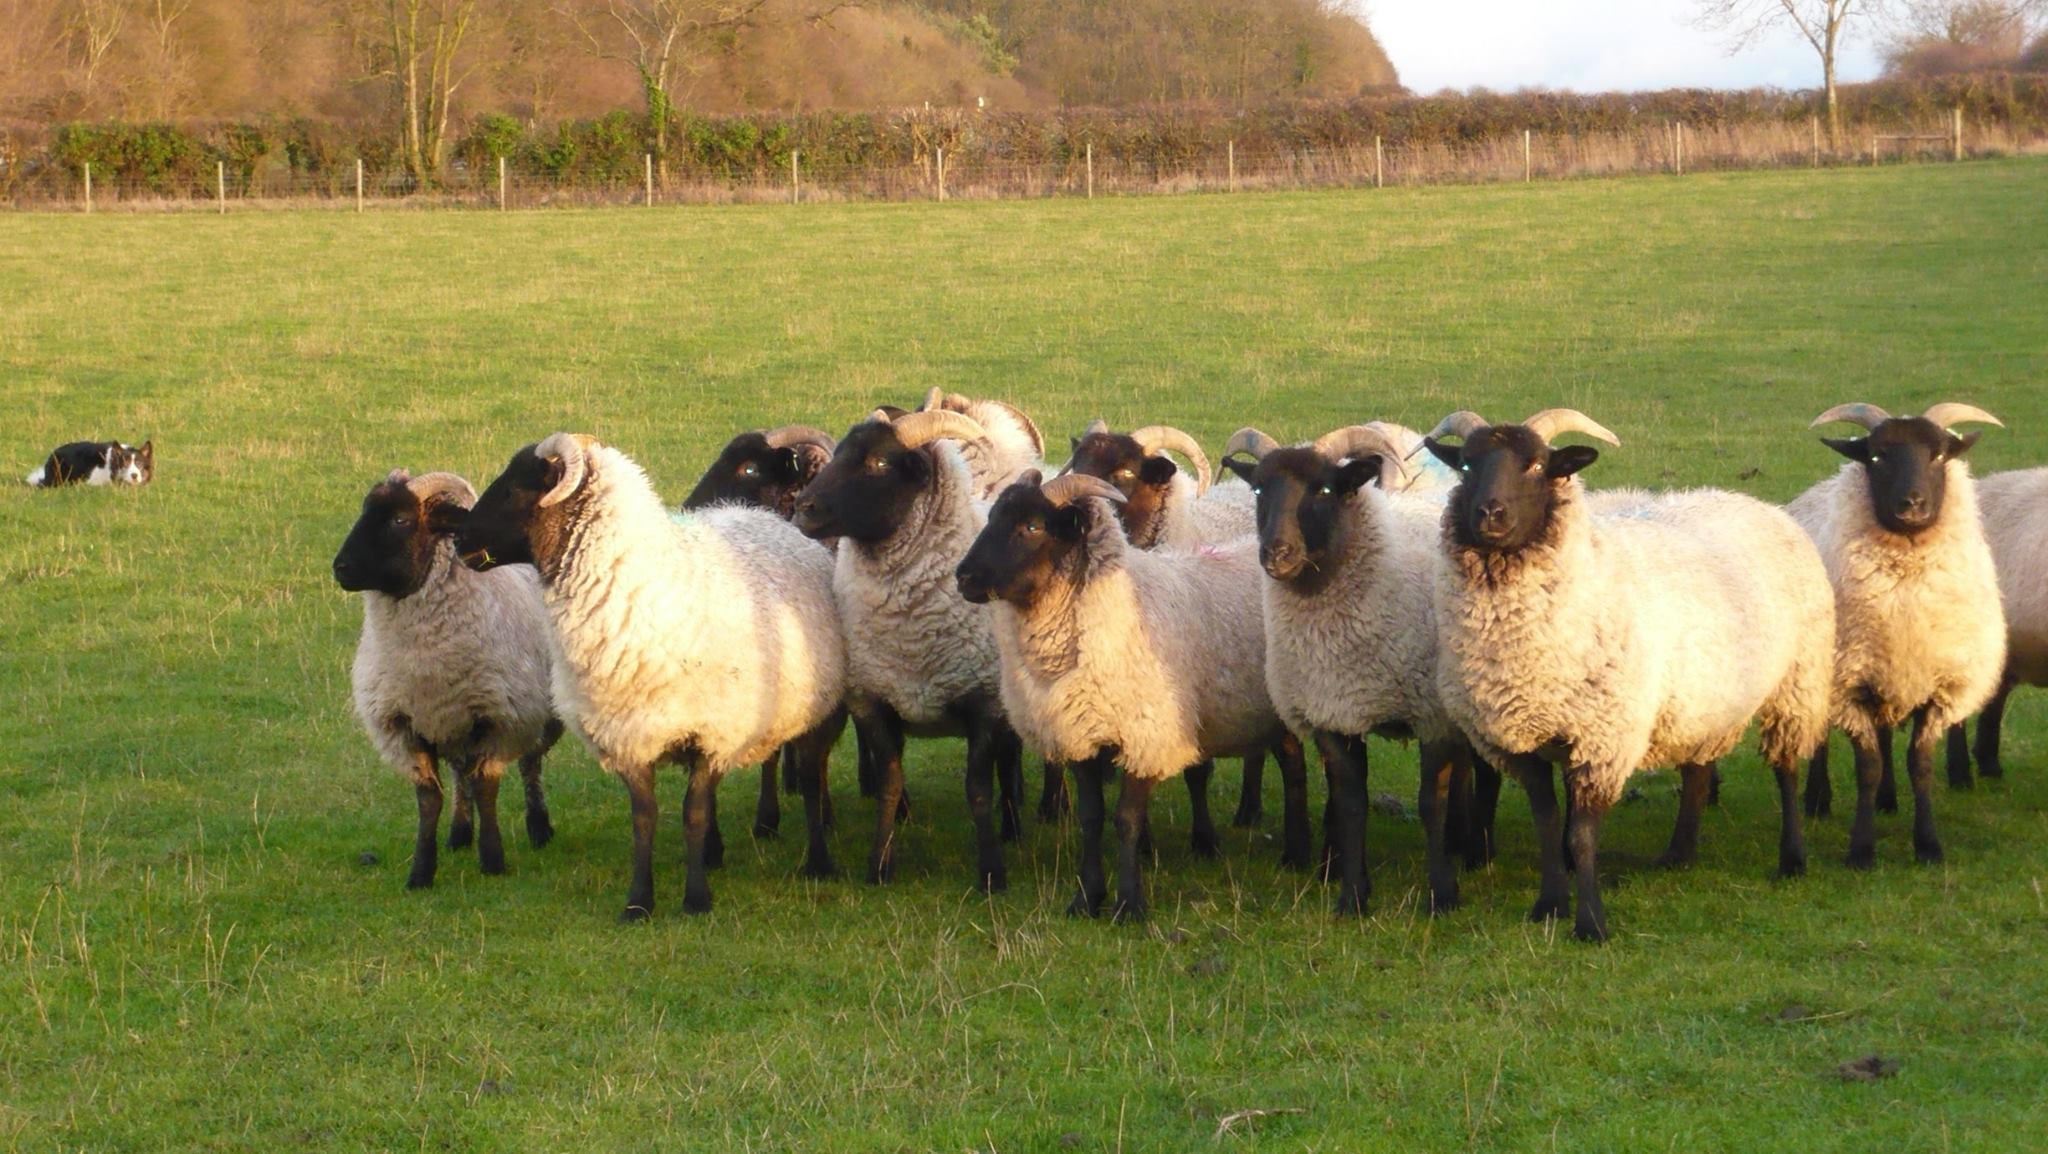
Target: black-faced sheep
{"x": 2014, "y": 507}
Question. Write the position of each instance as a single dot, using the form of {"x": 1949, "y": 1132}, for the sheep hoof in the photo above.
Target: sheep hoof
{"x": 994, "y": 883}
{"x": 881, "y": 873}
{"x": 494, "y": 867}
{"x": 696, "y": 903}
{"x": 1205, "y": 847}
{"x": 1588, "y": 930}
{"x": 1887, "y": 802}
{"x": 1928, "y": 852}
{"x": 1862, "y": 857}
{"x": 1989, "y": 767}
{"x": 1350, "y": 905}
{"x": 632, "y": 914}
{"x": 1130, "y": 913}
{"x": 540, "y": 833}
{"x": 1547, "y": 908}
{"x": 1083, "y": 907}
{"x": 1442, "y": 903}
{"x": 765, "y": 830}
{"x": 1248, "y": 818}
{"x": 1676, "y": 859}
{"x": 819, "y": 869}
{"x": 459, "y": 836}
{"x": 1792, "y": 867}
{"x": 418, "y": 882}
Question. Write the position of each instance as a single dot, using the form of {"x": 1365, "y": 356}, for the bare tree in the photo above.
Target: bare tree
{"x": 417, "y": 45}
{"x": 94, "y": 26}
{"x": 658, "y": 39}
{"x": 167, "y": 55}
{"x": 1820, "y": 22}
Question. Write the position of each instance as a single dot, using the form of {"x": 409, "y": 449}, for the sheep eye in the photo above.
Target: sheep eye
{"x": 1032, "y": 528}
{"x": 1326, "y": 490}
{"x": 750, "y": 469}
{"x": 1257, "y": 490}
{"x": 878, "y": 465}
{"x": 401, "y": 521}
{"x": 1124, "y": 476}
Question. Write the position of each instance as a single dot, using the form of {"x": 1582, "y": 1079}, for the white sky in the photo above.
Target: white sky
{"x": 1593, "y": 46}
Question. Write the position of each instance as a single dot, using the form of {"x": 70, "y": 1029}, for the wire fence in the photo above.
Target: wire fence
{"x": 1673, "y": 147}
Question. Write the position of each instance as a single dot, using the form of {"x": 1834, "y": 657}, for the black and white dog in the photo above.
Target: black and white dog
{"x": 97, "y": 463}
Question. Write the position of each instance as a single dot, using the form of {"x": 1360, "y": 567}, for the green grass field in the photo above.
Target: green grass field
{"x": 192, "y": 954}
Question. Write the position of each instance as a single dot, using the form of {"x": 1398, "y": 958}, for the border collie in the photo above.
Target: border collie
{"x": 97, "y": 463}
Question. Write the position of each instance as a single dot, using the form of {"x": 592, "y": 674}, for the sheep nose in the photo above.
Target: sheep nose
{"x": 1281, "y": 559}
{"x": 1913, "y": 506}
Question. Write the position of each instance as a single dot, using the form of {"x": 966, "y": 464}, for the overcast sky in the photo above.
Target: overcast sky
{"x": 1591, "y": 46}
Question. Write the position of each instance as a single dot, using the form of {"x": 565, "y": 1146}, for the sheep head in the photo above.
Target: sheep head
{"x": 1512, "y": 477}
{"x": 524, "y": 515}
{"x": 1033, "y": 530}
{"x": 876, "y": 474}
{"x": 1904, "y": 459}
{"x": 394, "y": 545}
{"x": 765, "y": 469}
{"x": 1302, "y": 492}
{"x": 1137, "y": 464}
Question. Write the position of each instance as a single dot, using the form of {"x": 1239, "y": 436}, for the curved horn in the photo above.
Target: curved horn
{"x": 568, "y": 449}
{"x": 1095, "y": 428}
{"x": 1954, "y": 413}
{"x": 1461, "y": 424}
{"x": 1361, "y": 440}
{"x": 924, "y": 427}
{"x": 1071, "y": 487}
{"x": 788, "y": 435}
{"x": 1162, "y": 438}
{"x": 1551, "y": 424}
{"x": 934, "y": 400}
{"x": 1250, "y": 440}
{"x": 1869, "y": 416}
{"x": 432, "y": 487}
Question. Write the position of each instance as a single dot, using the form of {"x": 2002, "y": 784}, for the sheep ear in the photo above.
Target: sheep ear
{"x": 1243, "y": 464}
{"x": 446, "y": 517}
{"x": 1568, "y": 460}
{"x": 1451, "y": 455}
{"x": 1854, "y": 448}
{"x": 1068, "y": 522}
{"x": 1958, "y": 445}
{"x": 1157, "y": 471}
{"x": 1073, "y": 444}
{"x": 1355, "y": 473}
{"x": 914, "y": 466}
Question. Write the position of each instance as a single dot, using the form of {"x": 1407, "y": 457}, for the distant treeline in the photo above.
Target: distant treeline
{"x": 180, "y": 159}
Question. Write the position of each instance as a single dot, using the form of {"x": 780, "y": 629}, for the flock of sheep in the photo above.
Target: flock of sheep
{"x": 923, "y": 577}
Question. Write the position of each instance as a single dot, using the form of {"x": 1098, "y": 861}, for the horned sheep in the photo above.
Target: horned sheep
{"x": 2014, "y": 508}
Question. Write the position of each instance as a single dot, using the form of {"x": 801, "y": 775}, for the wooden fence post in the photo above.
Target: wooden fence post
{"x": 1379, "y": 164}
{"x": 795, "y": 189}
{"x": 501, "y": 184}
{"x": 942, "y": 172}
{"x": 1873, "y": 148}
{"x": 1959, "y": 132}
{"x": 1233, "y": 165}
{"x": 1091, "y": 170}
{"x": 647, "y": 159}
{"x": 1678, "y": 146}
{"x": 88, "y": 186}
{"x": 359, "y": 184}
{"x": 1816, "y": 142}
{"x": 1528, "y": 170}
{"x": 220, "y": 185}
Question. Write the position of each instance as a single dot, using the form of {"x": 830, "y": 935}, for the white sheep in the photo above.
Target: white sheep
{"x": 1351, "y": 637}
{"x": 1920, "y": 634}
{"x": 1116, "y": 657}
{"x": 1646, "y": 630}
{"x": 902, "y": 499}
{"x": 452, "y": 666}
{"x": 2014, "y": 509}
{"x": 1009, "y": 443}
{"x": 706, "y": 641}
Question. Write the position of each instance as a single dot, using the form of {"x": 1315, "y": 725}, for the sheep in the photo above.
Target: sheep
{"x": 1920, "y": 632}
{"x": 452, "y": 666}
{"x": 1644, "y": 629}
{"x": 766, "y": 468}
{"x": 2014, "y": 508}
{"x": 706, "y": 641}
{"x": 1116, "y": 656}
{"x": 1351, "y": 641}
{"x": 1010, "y": 442}
{"x": 1164, "y": 507}
{"x": 902, "y": 499}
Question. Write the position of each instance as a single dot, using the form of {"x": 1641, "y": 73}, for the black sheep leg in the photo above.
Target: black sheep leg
{"x": 1052, "y": 800}
{"x": 639, "y": 782}
{"x": 1441, "y": 766}
{"x": 490, "y": 842}
{"x": 714, "y": 841}
{"x": 1988, "y": 727}
{"x": 1201, "y": 826}
{"x": 1344, "y": 760}
{"x": 1888, "y": 784}
{"x": 1251, "y": 805}
{"x": 1296, "y": 845}
{"x": 1087, "y": 791}
{"x": 883, "y": 731}
{"x": 540, "y": 828}
{"x": 1714, "y": 784}
{"x": 1591, "y": 925}
{"x": 461, "y": 830}
{"x": 1133, "y": 810}
{"x": 1694, "y": 784}
{"x": 1920, "y": 768}
{"x": 1820, "y": 791}
{"x": 426, "y": 788}
{"x": 1791, "y": 837}
{"x": 768, "y": 807}
{"x": 1326, "y": 864}
{"x": 1863, "y": 830}
{"x": 1010, "y": 780}
{"x": 1958, "y": 742}
{"x": 989, "y": 874}
{"x": 810, "y": 755}
{"x": 700, "y": 808}
{"x": 1486, "y": 783}
{"x": 1553, "y": 899}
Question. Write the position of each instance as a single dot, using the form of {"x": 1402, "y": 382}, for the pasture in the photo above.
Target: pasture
{"x": 204, "y": 937}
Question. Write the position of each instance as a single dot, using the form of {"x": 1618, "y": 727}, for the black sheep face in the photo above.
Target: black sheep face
{"x": 1301, "y": 499}
{"x": 1026, "y": 541}
{"x": 391, "y": 548}
{"x": 866, "y": 491}
{"x": 1509, "y": 486}
{"x": 508, "y": 523}
{"x": 1142, "y": 479}
{"x": 752, "y": 472}
{"x": 1906, "y": 462}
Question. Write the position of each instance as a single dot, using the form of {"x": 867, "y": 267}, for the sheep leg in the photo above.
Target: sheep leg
{"x": 1888, "y": 785}
{"x": 1052, "y": 799}
{"x": 1087, "y": 789}
{"x": 1486, "y": 782}
{"x": 490, "y": 843}
{"x": 426, "y": 787}
{"x": 1714, "y": 784}
{"x": 989, "y": 874}
{"x": 1443, "y": 763}
{"x": 1345, "y": 761}
{"x": 1251, "y": 806}
{"x": 1958, "y": 744}
{"x": 870, "y": 765}
{"x": 1133, "y": 806}
{"x": 1202, "y": 827}
{"x": 1695, "y": 783}
{"x": 810, "y": 755}
{"x": 1591, "y": 925}
{"x": 639, "y": 782}
{"x": 1988, "y": 727}
{"x": 540, "y": 828}
{"x": 461, "y": 831}
{"x": 1326, "y": 865}
{"x": 1553, "y": 900}
{"x": 1458, "y": 801}
{"x": 700, "y": 824}
{"x": 1791, "y": 837}
{"x": 1920, "y": 768}
{"x": 714, "y": 841}
{"x": 1010, "y": 780}
{"x": 885, "y": 741}
{"x": 1295, "y": 846}
{"x": 1863, "y": 831}
{"x": 1820, "y": 792}
{"x": 768, "y": 808}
